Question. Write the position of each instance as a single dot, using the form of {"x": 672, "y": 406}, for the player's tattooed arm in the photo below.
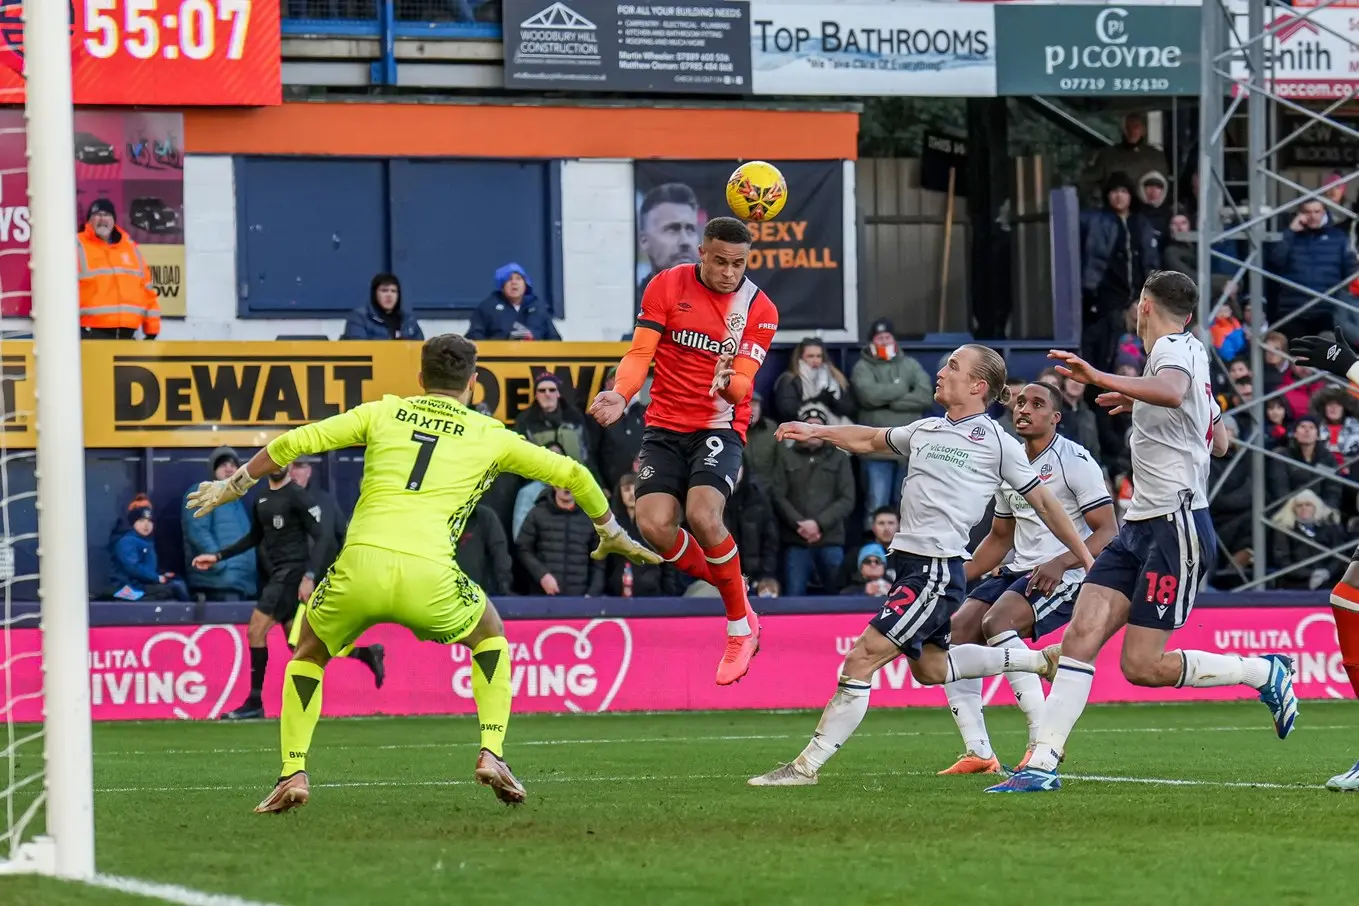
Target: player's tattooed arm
{"x": 850, "y": 438}
{"x": 1046, "y": 505}
{"x": 989, "y": 554}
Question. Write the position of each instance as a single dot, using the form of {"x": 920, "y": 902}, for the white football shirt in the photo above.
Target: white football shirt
{"x": 1172, "y": 448}
{"x": 1067, "y": 470}
{"x": 953, "y": 469}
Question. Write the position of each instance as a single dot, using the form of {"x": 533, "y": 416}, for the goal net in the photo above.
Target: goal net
{"x": 46, "y": 786}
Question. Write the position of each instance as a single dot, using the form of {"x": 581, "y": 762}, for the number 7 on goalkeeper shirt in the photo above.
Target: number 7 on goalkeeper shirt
{"x": 428, "y": 460}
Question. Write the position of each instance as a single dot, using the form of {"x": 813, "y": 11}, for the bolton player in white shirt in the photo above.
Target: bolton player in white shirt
{"x": 1034, "y": 594}
{"x": 1147, "y": 577}
{"x": 955, "y": 464}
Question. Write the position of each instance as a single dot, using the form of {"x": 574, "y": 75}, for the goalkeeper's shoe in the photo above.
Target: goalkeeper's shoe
{"x": 1278, "y": 694}
{"x": 1029, "y": 780}
{"x": 492, "y": 771}
{"x": 972, "y": 763}
{"x": 795, "y": 773}
{"x": 740, "y": 650}
{"x": 1347, "y": 782}
{"x": 291, "y": 792}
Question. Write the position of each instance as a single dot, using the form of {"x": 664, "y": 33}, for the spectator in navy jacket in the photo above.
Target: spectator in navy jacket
{"x": 512, "y": 311}
{"x": 1120, "y": 250}
{"x": 382, "y": 318}
{"x": 135, "y": 574}
{"x": 1314, "y": 254}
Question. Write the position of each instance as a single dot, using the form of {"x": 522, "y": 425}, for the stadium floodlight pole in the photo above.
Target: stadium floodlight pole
{"x": 61, "y": 444}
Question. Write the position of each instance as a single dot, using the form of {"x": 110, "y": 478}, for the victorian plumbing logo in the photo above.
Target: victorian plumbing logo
{"x": 1114, "y": 49}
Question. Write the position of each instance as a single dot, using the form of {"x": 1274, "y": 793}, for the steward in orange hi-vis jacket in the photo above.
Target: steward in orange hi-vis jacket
{"x": 116, "y": 293}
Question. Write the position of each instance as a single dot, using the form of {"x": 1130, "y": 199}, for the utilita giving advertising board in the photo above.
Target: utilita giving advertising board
{"x": 575, "y": 666}
{"x": 159, "y": 52}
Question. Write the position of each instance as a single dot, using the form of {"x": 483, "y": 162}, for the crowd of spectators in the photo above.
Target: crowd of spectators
{"x": 1310, "y": 428}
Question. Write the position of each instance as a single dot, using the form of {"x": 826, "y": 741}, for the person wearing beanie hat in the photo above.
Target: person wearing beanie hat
{"x": 1301, "y": 460}
{"x": 1121, "y": 248}
{"x": 892, "y": 389}
{"x": 230, "y": 580}
{"x": 117, "y": 293}
{"x": 513, "y": 310}
{"x": 870, "y": 575}
{"x": 134, "y": 573}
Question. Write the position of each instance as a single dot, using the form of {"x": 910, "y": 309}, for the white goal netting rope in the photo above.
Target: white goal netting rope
{"x": 21, "y": 747}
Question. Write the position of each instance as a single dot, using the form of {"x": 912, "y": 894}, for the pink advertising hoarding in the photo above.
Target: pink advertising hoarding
{"x": 663, "y": 664}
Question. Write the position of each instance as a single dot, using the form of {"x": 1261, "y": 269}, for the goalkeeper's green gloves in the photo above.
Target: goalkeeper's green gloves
{"x": 613, "y": 540}
{"x": 1334, "y": 356}
{"x": 212, "y": 494}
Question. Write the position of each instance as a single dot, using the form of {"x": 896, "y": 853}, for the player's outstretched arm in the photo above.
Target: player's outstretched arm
{"x": 850, "y": 438}
{"x": 524, "y": 458}
{"x": 608, "y": 405}
{"x": 1166, "y": 388}
{"x": 1335, "y": 356}
{"x": 997, "y": 543}
{"x": 1059, "y": 523}
{"x": 347, "y": 429}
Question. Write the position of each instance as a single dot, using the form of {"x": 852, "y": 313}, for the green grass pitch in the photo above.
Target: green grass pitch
{"x": 632, "y": 809}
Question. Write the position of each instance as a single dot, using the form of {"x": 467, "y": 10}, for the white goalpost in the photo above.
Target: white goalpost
{"x": 66, "y": 847}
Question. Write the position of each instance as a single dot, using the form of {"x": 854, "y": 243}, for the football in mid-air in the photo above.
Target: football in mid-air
{"x": 756, "y": 191}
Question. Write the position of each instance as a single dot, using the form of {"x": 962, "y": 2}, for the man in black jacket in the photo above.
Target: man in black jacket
{"x": 484, "y": 553}
{"x": 1230, "y": 507}
{"x": 285, "y": 528}
{"x": 554, "y": 544}
{"x": 750, "y": 519}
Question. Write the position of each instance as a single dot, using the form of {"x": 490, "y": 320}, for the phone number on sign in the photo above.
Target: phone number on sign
{"x": 1141, "y": 85}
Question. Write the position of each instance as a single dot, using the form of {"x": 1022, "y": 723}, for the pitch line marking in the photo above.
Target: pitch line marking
{"x": 643, "y": 740}
{"x": 169, "y": 893}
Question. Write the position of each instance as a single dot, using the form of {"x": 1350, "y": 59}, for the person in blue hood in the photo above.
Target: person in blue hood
{"x": 512, "y": 311}
{"x": 382, "y": 318}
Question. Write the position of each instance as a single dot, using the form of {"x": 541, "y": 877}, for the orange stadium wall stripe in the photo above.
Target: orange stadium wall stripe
{"x": 464, "y": 130}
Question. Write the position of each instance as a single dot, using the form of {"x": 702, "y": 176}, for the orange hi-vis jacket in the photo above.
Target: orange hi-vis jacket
{"x": 115, "y": 284}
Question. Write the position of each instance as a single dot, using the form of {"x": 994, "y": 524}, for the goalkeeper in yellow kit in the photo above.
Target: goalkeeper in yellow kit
{"x": 429, "y": 459}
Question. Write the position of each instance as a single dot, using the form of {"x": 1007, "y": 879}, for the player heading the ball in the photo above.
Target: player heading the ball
{"x": 707, "y": 327}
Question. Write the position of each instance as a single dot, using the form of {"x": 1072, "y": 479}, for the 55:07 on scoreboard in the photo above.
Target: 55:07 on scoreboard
{"x": 145, "y": 29}
{"x": 159, "y": 52}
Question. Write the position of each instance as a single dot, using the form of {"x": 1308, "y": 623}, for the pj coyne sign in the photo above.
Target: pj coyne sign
{"x": 1053, "y": 49}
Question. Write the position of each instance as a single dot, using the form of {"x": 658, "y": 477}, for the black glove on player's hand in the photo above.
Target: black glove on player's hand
{"x": 1334, "y": 356}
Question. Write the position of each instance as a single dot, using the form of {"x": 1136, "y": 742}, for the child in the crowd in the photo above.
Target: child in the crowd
{"x": 135, "y": 575}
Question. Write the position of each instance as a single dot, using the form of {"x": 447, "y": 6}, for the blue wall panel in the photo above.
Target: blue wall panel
{"x": 311, "y": 233}
{"x": 455, "y": 221}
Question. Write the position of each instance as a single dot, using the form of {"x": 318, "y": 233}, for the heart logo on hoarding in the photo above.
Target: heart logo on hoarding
{"x": 1326, "y": 644}
{"x": 191, "y": 655}
{"x": 582, "y": 650}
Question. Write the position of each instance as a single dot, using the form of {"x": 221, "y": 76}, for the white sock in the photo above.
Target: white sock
{"x": 971, "y": 661}
{"x": 838, "y": 722}
{"x": 1204, "y": 669}
{"x": 1066, "y": 701}
{"x": 738, "y": 627}
{"x": 1027, "y": 687}
{"x": 965, "y": 701}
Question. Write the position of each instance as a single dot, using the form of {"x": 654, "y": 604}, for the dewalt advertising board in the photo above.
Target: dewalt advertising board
{"x": 168, "y": 394}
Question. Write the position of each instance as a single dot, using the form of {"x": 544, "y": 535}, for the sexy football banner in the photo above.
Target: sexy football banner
{"x": 181, "y": 394}
{"x": 797, "y": 258}
{"x": 133, "y": 159}
{"x": 573, "y": 666}
{"x": 159, "y": 52}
